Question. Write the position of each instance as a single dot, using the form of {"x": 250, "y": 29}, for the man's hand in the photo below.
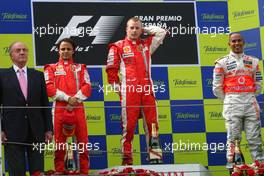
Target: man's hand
{"x": 69, "y": 107}
{"x": 116, "y": 88}
{"x": 73, "y": 101}
{"x": 3, "y": 137}
{"x": 167, "y": 32}
{"x": 48, "y": 136}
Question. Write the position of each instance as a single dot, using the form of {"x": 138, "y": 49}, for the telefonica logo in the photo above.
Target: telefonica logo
{"x": 250, "y": 46}
{"x": 93, "y": 117}
{"x": 187, "y": 115}
{"x": 116, "y": 151}
{"x": 158, "y": 82}
{"x": 162, "y": 116}
{"x": 6, "y": 16}
{"x": 214, "y": 49}
{"x": 215, "y": 115}
{"x": 185, "y": 82}
{"x": 5, "y": 51}
{"x": 115, "y": 117}
{"x": 212, "y": 17}
{"x": 95, "y": 85}
{"x": 95, "y": 152}
{"x": 49, "y": 153}
{"x": 209, "y": 82}
{"x": 243, "y": 13}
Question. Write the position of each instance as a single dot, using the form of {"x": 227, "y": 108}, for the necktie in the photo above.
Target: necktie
{"x": 23, "y": 82}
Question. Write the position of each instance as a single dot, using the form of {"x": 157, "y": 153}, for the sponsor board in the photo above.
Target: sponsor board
{"x": 93, "y": 25}
{"x": 7, "y": 40}
{"x": 95, "y": 117}
{"x": 15, "y": 17}
{"x": 185, "y": 83}
{"x": 243, "y": 15}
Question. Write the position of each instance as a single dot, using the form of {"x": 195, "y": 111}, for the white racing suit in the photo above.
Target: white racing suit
{"x": 237, "y": 81}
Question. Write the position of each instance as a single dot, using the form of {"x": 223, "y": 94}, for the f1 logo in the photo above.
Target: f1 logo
{"x": 103, "y": 29}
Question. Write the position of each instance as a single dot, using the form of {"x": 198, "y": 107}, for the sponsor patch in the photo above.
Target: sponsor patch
{"x": 110, "y": 62}
{"x": 73, "y": 68}
{"x": 258, "y": 76}
{"x": 59, "y": 68}
{"x": 231, "y": 67}
{"x": 127, "y": 49}
{"x": 46, "y": 76}
{"x": 229, "y": 63}
{"x": 248, "y": 66}
{"x": 86, "y": 77}
{"x": 246, "y": 57}
{"x": 218, "y": 77}
{"x": 78, "y": 67}
{"x": 57, "y": 73}
{"x": 126, "y": 55}
{"x": 218, "y": 70}
{"x": 139, "y": 48}
{"x": 246, "y": 62}
{"x": 110, "y": 57}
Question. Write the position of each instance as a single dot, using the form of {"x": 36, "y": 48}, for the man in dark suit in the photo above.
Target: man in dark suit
{"x": 22, "y": 94}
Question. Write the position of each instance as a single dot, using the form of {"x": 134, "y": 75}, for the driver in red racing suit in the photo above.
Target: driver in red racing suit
{"x": 68, "y": 84}
{"x": 132, "y": 57}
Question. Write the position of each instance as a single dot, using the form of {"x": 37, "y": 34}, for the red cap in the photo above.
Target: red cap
{"x": 68, "y": 123}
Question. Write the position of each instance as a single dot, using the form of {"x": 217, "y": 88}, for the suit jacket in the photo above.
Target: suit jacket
{"x": 15, "y": 122}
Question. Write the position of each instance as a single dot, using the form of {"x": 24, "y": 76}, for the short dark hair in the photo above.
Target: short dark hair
{"x": 135, "y": 19}
{"x": 233, "y": 33}
{"x": 68, "y": 40}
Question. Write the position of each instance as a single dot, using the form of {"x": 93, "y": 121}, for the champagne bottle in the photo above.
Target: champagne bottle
{"x": 154, "y": 142}
{"x": 70, "y": 162}
{"x": 155, "y": 153}
{"x": 238, "y": 156}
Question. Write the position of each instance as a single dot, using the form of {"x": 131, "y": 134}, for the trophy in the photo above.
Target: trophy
{"x": 68, "y": 129}
{"x": 70, "y": 162}
{"x": 238, "y": 158}
{"x": 155, "y": 153}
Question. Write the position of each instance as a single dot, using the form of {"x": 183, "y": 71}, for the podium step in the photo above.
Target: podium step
{"x": 170, "y": 169}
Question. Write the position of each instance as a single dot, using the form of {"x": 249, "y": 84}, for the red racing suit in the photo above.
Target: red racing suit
{"x": 133, "y": 60}
{"x": 237, "y": 81}
{"x": 66, "y": 79}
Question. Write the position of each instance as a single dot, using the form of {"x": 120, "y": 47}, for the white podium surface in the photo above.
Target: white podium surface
{"x": 171, "y": 169}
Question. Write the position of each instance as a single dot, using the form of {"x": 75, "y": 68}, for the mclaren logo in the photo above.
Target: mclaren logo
{"x": 102, "y": 31}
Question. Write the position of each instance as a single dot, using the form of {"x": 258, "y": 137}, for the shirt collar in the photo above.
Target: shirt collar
{"x": 16, "y": 68}
{"x": 67, "y": 62}
{"x": 133, "y": 41}
{"x": 237, "y": 56}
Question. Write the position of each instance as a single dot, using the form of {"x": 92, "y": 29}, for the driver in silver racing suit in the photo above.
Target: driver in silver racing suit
{"x": 237, "y": 81}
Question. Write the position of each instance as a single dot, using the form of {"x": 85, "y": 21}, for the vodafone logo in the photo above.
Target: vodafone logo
{"x": 241, "y": 80}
